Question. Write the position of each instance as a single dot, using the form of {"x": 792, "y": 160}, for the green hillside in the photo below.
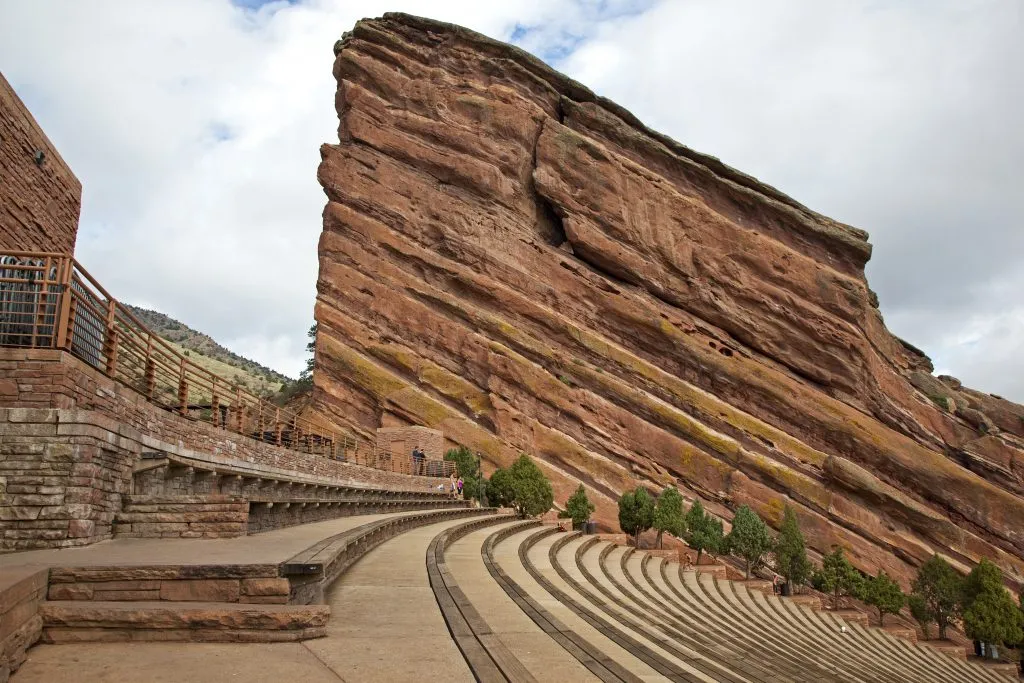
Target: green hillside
{"x": 205, "y": 352}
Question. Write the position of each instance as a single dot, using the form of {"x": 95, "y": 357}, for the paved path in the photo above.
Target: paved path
{"x": 385, "y": 626}
{"x": 268, "y": 547}
{"x": 385, "y": 623}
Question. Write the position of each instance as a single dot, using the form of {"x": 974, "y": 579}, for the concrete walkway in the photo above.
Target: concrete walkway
{"x": 385, "y": 623}
{"x": 269, "y": 547}
{"x": 385, "y": 626}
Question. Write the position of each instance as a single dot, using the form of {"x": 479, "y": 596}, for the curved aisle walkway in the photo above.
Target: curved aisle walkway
{"x": 536, "y": 650}
{"x": 385, "y": 626}
{"x": 385, "y": 623}
{"x": 506, "y": 556}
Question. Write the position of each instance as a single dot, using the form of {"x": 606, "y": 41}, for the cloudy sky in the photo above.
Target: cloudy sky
{"x": 194, "y": 126}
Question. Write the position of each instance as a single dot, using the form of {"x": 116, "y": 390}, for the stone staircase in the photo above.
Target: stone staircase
{"x": 216, "y": 602}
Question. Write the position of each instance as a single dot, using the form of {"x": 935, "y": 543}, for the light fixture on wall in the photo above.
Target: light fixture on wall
{"x": 39, "y": 156}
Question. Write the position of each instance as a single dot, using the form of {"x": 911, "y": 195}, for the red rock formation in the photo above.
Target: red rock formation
{"x": 40, "y": 198}
{"x": 524, "y": 265}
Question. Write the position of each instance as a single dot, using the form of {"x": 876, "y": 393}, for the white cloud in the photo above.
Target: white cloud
{"x": 195, "y": 127}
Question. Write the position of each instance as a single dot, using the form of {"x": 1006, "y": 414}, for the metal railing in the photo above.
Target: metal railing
{"x": 49, "y": 300}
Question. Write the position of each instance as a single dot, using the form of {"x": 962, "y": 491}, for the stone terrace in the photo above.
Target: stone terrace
{"x": 477, "y": 597}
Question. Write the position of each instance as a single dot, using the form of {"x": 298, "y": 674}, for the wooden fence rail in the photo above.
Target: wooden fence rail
{"x": 49, "y": 300}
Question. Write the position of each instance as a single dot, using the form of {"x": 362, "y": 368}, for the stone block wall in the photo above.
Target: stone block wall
{"x": 40, "y": 198}
{"x": 45, "y": 378}
{"x": 207, "y": 516}
{"x": 22, "y": 590}
{"x": 70, "y": 437}
{"x": 61, "y": 478}
{"x": 401, "y": 440}
{"x": 221, "y": 583}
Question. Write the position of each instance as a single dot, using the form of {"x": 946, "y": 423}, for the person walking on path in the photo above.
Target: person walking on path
{"x": 459, "y": 483}
{"x": 454, "y": 485}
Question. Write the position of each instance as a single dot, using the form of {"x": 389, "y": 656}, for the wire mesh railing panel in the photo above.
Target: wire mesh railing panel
{"x": 30, "y": 290}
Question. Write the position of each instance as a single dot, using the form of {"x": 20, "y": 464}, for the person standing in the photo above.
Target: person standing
{"x": 417, "y": 460}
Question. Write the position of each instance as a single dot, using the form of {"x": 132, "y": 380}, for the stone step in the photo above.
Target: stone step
{"x": 97, "y": 621}
{"x": 947, "y": 647}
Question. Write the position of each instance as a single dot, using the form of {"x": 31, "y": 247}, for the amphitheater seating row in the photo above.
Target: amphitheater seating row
{"x": 589, "y": 609}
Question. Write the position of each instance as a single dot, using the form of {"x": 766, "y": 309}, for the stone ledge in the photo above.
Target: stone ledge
{"x": 162, "y": 616}
{"x": 161, "y": 572}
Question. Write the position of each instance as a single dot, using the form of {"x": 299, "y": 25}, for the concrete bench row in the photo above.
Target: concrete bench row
{"x": 179, "y": 476}
{"x": 622, "y": 615}
{"x": 488, "y": 658}
{"x": 313, "y": 570}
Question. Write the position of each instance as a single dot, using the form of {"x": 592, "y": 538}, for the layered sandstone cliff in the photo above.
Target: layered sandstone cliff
{"x": 524, "y": 265}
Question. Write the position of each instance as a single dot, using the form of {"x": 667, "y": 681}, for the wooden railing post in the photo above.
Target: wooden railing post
{"x": 238, "y": 409}
{"x": 214, "y": 403}
{"x": 182, "y": 389}
{"x": 277, "y": 426}
{"x": 150, "y": 371}
{"x": 110, "y": 339}
{"x": 39, "y": 321}
{"x": 64, "y": 327}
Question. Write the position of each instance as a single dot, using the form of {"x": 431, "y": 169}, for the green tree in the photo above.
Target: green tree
{"x": 941, "y": 588}
{"x": 791, "y": 552}
{"x": 531, "y": 490}
{"x": 988, "y": 611}
{"x": 636, "y": 513}
{"x": 306, "y": 376}
{"x": 578, "y": 508}
{"x": 838, "y": 577}
{"x": 500, "y": 492}
{"x": 986, "y": 577}
{"x": 919, "y": 610}
{"x": 993, "y": 617}
{"x": 703, "y": 532}
{"x": 668, "y": 514}
{"x": 473, "y": 482}
{"x": 749, "y": 538}
{"x": 885, "y": 594}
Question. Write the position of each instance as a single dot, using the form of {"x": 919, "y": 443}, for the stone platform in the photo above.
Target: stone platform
{"x": 262, "y": 588}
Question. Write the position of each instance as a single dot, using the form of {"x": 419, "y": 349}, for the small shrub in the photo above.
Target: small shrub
{"x": 668, "y": 514}
{"x": 531, "y": 491}
{"x": 885, "y": 594}
{"x": 636, "y": 513}
{"x": 703, "y": 532}
{"x": 578, "y": 508}
{"x": 749, "y": 538}
{"x": 838, "y": 577}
